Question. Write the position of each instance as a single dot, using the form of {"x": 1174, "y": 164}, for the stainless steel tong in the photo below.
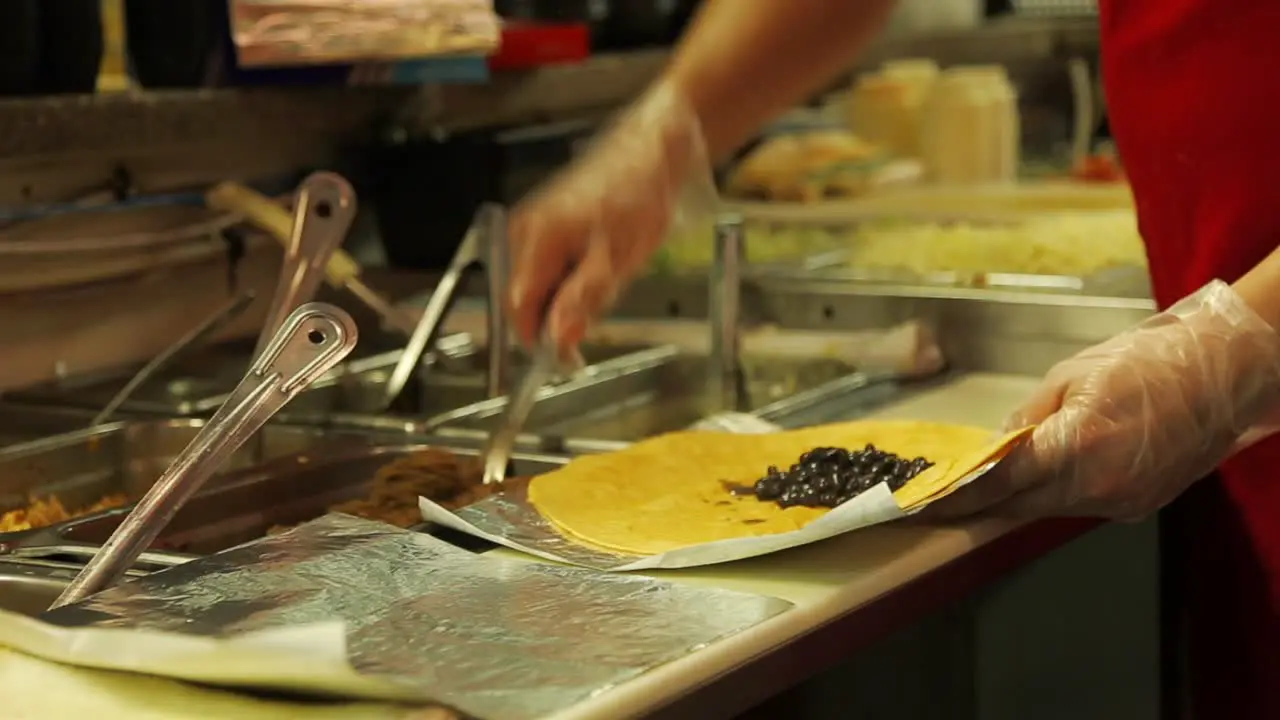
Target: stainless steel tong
{"x": 486, "y": 243}
{"x": 322, "y": 217}
{"x": 502, "y": 440}
{"x": 314, "y": 338}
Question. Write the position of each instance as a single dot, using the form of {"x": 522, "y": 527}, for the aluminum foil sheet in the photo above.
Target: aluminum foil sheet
{"x": 321, "y": 32}
{"x": 496, "y": 638}
{"x": 509, "y": 519}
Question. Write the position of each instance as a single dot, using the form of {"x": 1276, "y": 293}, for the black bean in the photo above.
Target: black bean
{"x": 829, "y": 476}
{"x": 768, "y": 488}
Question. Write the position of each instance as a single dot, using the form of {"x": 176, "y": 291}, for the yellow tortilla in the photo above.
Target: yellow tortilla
{"x": 674, "y": 491}
{"x": 942, "y": 479}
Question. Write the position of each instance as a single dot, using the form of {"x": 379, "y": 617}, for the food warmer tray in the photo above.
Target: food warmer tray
{"x": 821, "y": 255}
{"x": 663, "y": 391}
{"x": 200, "y": 386}
{"x": 198, "y": 383}
{"x": 246, "y": 504}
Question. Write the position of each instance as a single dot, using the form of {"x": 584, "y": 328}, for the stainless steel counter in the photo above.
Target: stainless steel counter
{"x": 847, "y": 591}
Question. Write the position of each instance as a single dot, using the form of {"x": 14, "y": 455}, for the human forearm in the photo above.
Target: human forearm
{"x": 745, "y": 61}
{"x": 1260, "y": 288}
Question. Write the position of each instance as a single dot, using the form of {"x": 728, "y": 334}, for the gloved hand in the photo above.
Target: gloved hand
{"x": 1126, "y": 426}
{"x": 578, "y": 240}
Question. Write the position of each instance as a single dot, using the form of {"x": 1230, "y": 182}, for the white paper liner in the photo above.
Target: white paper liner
{"x": 306, "y": 658}
{"x": 511, "y": 521}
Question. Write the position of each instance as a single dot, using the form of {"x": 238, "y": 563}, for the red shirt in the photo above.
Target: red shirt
{"x": 1193, "y": 90}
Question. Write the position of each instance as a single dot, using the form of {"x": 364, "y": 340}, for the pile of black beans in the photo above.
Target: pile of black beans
{"x": 828, "y": 476}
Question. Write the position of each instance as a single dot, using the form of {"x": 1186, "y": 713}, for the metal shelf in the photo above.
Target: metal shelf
{"x": 52, "y": 148}
{"x": 117, "y": 122}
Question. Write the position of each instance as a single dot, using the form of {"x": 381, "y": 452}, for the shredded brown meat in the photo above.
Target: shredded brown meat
{"x": 451, "y": 480}
{"x": 43, "y": 512}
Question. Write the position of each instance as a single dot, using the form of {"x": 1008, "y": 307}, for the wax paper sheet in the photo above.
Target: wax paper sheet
{"x": 494, "y": 638}
{"x": 310, "y": 657}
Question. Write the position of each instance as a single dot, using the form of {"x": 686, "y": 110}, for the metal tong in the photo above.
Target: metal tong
{"x": 314, "y": 338}
{"x": 727, "y": 385}
{"x": 502, "y": 441}
{"x": 342, "y": 272}
{"x": 485, "y": 243}
{"x": 208, "y": 327}
{"x": 323, "y": 212}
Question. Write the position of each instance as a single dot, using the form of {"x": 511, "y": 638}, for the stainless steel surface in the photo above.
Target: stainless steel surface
{"x": 324, "y": 210}
{"x": 207, "y": 328}
{"x": 647, "y": 393}
{"x": 600, "y": 384}
{"x": 22, "y": 423}
{"x": 471, "y": 251}
{"x": 194, "y": 384}
{"x": 844, "y": 398}
{"x": 199, "y": 383}
{"x": 1085, "y": 120}
{"x": 82, "y": 467}
{"x": 313, "y": 339}
{"x": 497, "y": 638}
{"x": 28, "y": 587}
{"x": 359, "y": 386}
{"x": 461, "y": 437}
{"x": 831, "y": 235}
{"x": 125, "y": 458}
{"x": 724, "y": 303}
{"x": 462, "y": 379}
{"x": 1002, "y": 331}
{"x": 391, "y": 316}
{"x": 284, "y": 492}
{"x": 493, "y": 219}
{"x": 515, "y": 413}
{"x": 457, "y": 377}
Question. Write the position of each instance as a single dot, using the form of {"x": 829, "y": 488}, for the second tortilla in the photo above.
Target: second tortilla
{"x": 672, "y": 491}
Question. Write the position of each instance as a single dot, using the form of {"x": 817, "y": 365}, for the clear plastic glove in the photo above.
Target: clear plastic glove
{"x": 1126, "y": 426}
{"x": 579, "y": 240}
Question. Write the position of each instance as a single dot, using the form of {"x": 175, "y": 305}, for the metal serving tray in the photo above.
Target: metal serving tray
{"x": 126, "y": 457}
{"x": 198, "y": 383}
{"x": 243, "y": 506}
{"x": 200, "y": 386}
{"x": 650, "y": 393}
{"x": 23, "y": 423}
{"x": 452, "y": 382}
{"x": 830, "y": 258}
{"x": 29, "y": 587}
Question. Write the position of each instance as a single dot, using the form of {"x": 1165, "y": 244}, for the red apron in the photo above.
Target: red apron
{"x": 1193, "y": 89}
